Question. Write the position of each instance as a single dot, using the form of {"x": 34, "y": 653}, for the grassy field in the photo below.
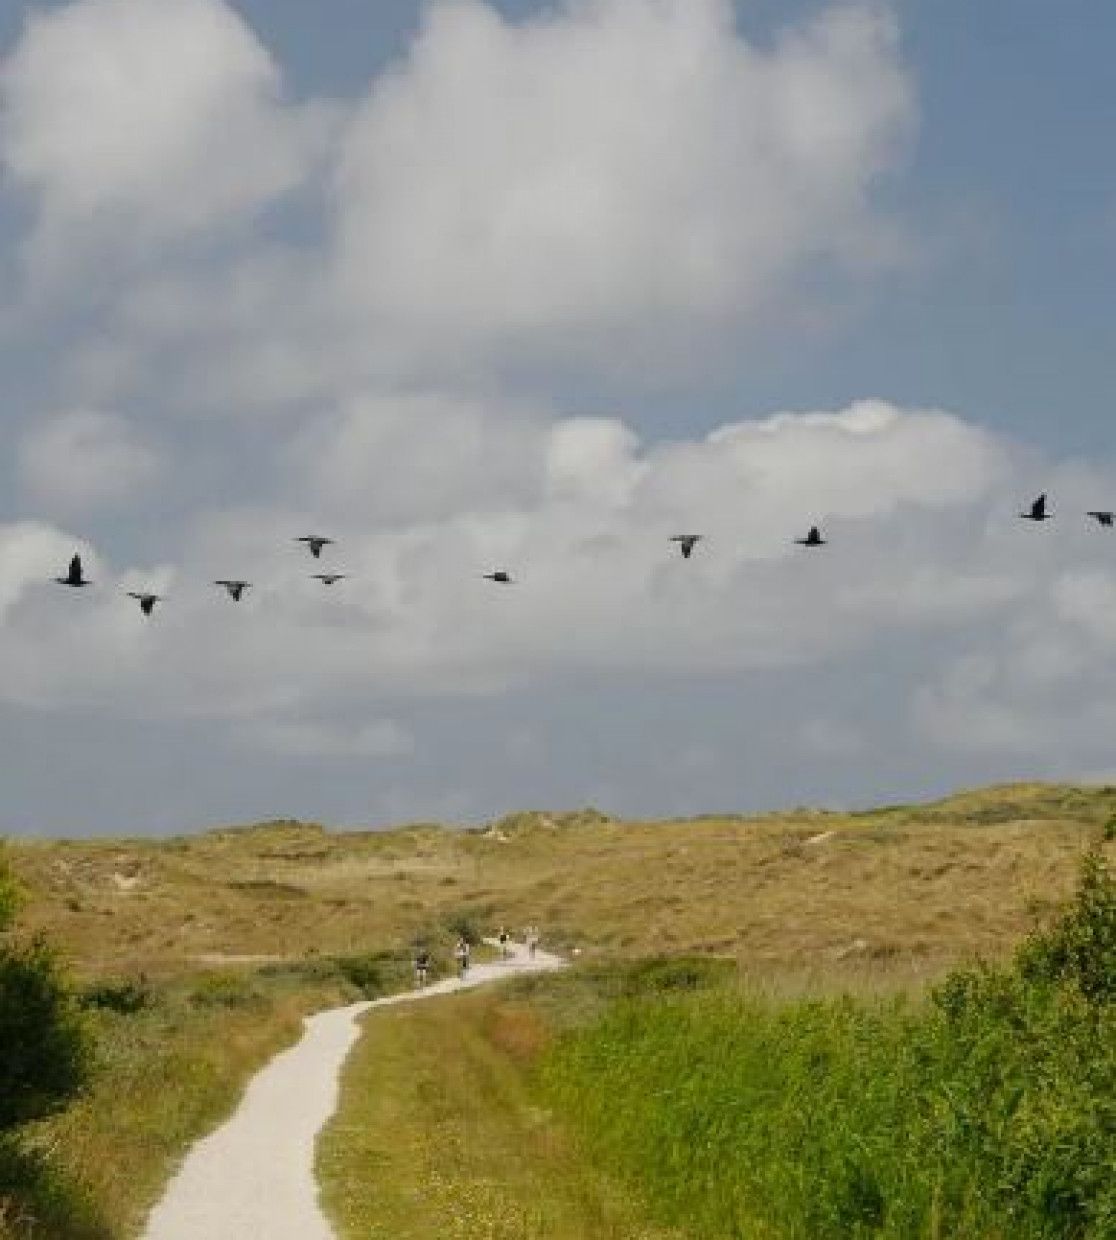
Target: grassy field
{"x": 440, "y": 1137}
{"x": 987, "y": 1110}
{"x": 164, "y": 1074}
{"x": 237, "y": 931}
{"x": 919, "y": 886}
{"x": 671, "y": 1098}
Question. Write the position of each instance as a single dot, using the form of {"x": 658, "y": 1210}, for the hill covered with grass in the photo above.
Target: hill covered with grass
{"x": 920, "y": 885}
{"x": 194, "y": 958}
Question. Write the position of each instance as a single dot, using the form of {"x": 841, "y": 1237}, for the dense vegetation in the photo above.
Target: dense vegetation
{"x": 165, "y": 1060}
{"x": 988, "y": 1110}
{"x": 43, "y": 1053}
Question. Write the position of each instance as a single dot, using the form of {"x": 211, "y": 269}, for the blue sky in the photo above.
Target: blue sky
{"x": 486, "y": 295}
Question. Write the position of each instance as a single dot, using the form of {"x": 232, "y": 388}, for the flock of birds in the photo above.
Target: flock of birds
{"x": 316, "y": 544}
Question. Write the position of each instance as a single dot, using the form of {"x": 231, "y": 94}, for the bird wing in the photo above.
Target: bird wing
{"x": 75, "y": 568}
{"x": 1039, "y": 507}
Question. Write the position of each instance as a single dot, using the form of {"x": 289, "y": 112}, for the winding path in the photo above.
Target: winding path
{"x": 254, "y": 1176}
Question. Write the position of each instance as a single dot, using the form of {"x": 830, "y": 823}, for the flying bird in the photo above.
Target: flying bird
{"x": 315, "y": 543}
{"x": 1107, "y": 519}
{"x": 329, "y": 579}
{"x": 235, "y": 588}
{"x": 146, "y": 601}
{"x": 687, "y": 543}
{"x": 501, "y": 577}
{"x": 1038, "y": 511}
{"x": 812, "y": 539}
{"x": 74, "y": 576}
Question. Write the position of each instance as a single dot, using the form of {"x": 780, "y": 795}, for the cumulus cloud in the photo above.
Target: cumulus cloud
{"x": 614, "y": 186}
{"x": 496, "y": 201}
{"x": 610, "y": 169}
{"x": 82, "y": 460}
{"x": 600, "y": 586}
{"x": 140, "y": 121}
{"x": 1042, "y": 684}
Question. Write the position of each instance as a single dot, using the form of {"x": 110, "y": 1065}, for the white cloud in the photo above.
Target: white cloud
{"x": 1043, "y": 683}
{"x": 32, "y": 553}
{"x": 600, "y": 586}
{"x": 612, "y": 171}
{"x": 82, "y": 460}
{"x": 142, "y": 120}
{"x": 418, "y": 458}
{"x": 496, "y": 201}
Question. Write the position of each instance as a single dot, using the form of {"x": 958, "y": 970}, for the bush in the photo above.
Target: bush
{"x": 1081, "y": 949}
{"x": 43, "y": 1051}
{"x": 463, "y": 924}
{"x": 228, "y": 990}
{"x": 988, "y": 1111}
{"x": 125, "y": 998}
{"x": 372, "y": 973}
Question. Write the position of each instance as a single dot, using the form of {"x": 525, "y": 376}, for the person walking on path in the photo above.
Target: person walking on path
{"x": 422, "y": 967}
{"x": 531, "y": 935}
{"x": 503, "y": 939}
{"x": 461, "y": 955}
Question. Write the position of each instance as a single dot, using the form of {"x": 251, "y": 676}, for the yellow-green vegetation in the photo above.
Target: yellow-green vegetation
{"x": 237, "y": 932}
{"x": 920, "y": 886}
{"x": 440, "y": 1136}
{"x": 170, "y": 1061}
{"x": 987, "y": 1111}
{"x": 165, "y": 1072}
{"x": 633, "y": 1098}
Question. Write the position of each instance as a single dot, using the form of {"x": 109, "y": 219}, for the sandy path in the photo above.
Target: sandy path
{"x": 254, "y": 1176}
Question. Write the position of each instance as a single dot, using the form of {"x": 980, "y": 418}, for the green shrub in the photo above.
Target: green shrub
{"x": 43, "y": 1049}
{"x": 1081, "y": 949}
{"x": 229, "y": 990}
{"x": 43, "y": 1054}
{"x": 987, "y": 1111}
{"x": 44, "y": 1060}
{"x": 124, "y": 997}
{"x": 464, "y": 924}
{"x": 373, "y": 973}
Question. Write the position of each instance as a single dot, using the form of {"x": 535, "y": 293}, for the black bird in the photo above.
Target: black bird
{"x": 329, "y": 579}
{"x": 235, "y": 588}
{"x": 501, "y": 577}
{"x": 1107, "y": 519}
{"x": 812, "y": 539}
{"x": 1038, "y": 511}
{"x": 687, "y": 543}
{"x": 74, "y": 576}
{"x": 146, "y": 601}
{"x": 315, "y": 542}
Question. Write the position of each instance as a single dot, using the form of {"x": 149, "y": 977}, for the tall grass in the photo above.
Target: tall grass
{"x": 987, "y": 1111}
{"x": 169, "y": 1061}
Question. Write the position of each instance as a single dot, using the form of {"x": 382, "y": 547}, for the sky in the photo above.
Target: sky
{"x": 480, "y": 284}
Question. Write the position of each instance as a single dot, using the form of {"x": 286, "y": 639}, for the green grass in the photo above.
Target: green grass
{"x": 803, "y": 902}
{"x": 439, "y": 1135}
{"x": 988, "y": 1110}
{"x": 168, "y": 1068}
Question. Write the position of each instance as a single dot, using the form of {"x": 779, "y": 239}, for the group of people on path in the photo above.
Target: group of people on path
{"x": 462, "y": 953}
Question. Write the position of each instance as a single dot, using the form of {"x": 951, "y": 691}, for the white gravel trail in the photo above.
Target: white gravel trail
{"x": 254, "y": 1176}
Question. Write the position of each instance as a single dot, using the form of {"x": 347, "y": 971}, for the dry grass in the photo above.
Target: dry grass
{"x": 915, "y": 887}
